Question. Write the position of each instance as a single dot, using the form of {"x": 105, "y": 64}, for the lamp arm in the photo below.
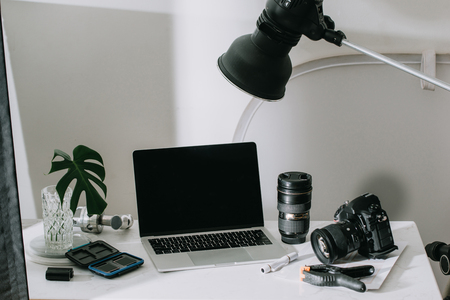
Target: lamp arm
{"x": 246, "y": 119}
{"x": 316, "y": 65}
{"x": 397, "y": 65}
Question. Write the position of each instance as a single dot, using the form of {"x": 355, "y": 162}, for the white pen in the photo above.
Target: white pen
{"x": 280, "y": 263}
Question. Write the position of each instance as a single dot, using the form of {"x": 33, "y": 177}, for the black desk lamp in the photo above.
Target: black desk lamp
{"x": 259, "y": 63}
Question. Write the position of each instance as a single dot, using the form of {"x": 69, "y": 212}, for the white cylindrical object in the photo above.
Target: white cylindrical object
{"x": 280, "y": 263}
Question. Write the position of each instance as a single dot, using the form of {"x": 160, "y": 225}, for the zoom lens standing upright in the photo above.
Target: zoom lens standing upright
{"x": 294, "y": 202}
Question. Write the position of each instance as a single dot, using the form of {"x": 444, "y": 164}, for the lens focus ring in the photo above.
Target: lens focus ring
{"x": 294, "y": 208}
{"x": 290, "y": 226}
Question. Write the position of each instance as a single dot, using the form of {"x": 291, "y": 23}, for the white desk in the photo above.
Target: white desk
{"x": 410, "y": 278}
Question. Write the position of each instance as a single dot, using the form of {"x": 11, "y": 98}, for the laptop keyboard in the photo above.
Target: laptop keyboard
{"x": 209, "y": 241}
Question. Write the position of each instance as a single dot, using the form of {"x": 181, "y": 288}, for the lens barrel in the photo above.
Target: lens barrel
{"x": 336, "y": 241}
{"x": 294, "y": 203}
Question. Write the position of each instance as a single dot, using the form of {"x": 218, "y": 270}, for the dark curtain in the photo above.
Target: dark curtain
{"x": 13, "y": 277}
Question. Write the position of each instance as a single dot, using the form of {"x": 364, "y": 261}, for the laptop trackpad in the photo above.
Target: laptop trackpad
{"x": 214, "y": 257}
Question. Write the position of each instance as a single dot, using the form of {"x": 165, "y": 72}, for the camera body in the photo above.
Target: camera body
{"x": 359, "y": 225}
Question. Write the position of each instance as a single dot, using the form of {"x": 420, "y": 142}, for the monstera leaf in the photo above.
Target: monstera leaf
{"x": 83, "y": 172}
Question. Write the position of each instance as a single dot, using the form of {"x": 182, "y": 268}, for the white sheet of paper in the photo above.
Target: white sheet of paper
{"x": 306, "y": 257}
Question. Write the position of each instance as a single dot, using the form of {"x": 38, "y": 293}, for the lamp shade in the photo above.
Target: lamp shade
{"x": 259, "y": 63}
{"x": 255, "y": 69}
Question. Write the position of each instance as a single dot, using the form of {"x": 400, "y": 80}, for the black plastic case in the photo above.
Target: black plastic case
{"x": 103, "y": 259}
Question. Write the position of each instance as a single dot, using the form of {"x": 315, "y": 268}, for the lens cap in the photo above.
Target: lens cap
{"x": 295, "y": 181}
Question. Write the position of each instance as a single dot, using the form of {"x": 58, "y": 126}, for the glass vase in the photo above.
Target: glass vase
{"x": 58, "y": 219}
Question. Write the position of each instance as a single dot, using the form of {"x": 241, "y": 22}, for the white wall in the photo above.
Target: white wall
{"x": 120, "y": 75}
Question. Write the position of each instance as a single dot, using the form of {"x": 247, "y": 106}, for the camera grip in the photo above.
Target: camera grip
{"x": 321, "y": 279}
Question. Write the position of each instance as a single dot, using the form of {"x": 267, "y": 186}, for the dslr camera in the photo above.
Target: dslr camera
{"x": 360, "y": 224}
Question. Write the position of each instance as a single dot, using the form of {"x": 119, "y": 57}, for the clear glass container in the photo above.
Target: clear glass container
{"x": 58, "y": 219}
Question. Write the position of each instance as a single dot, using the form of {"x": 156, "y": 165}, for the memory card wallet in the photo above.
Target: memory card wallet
{"x": 103, "y": 259}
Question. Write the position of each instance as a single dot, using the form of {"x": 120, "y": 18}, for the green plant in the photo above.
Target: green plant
{"x": 81, "y": 169}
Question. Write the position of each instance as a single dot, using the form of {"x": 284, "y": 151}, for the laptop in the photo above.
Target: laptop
{"x": 202, "y": 194}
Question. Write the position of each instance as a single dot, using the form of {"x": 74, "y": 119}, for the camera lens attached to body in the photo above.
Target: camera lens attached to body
{"x": 360, "y": 225}
{"x": 294, "y": 202}
{"x": 335, "y": 241}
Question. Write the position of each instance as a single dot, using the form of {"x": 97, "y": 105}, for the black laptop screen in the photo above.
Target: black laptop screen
{"x": 198, "y": 188}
